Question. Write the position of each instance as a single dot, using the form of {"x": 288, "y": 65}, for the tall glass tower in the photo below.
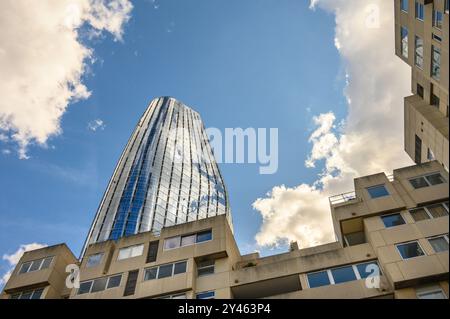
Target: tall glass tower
{"x": 166, "y": 175}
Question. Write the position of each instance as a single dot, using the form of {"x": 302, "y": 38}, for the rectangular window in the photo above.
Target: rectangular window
{"x": 377, "y": 191}
{"x": 418, "y": 58}
{"x": 437, "y": 210}
{"x": 204, "y": 236}
{"x": 404, "y": 5}
{"x": 393, "y": 220}
{"x": 356, "y": 238}
{"x": 188, "y": 240}
{"x": 130, "y": 252}
{"x": 368, "y": 269}
{"x": 165, "y": 271}
{"x": 434, "y": 292}
{"x": 419, "y": 214}
{"x": 410, "y": 250}
{"x": 171, "y": 243}
{"x": 419, "y": 10}
{"x": 99, "y": 284}
{"x": 32, "y": 294}
{"x": 427, "y": 180}
{"x": 435, "y": 63}
{"x": 418, "y": 150}
{"x": 205, "y": 268}
{"x": 130, "y": 285}
{"x": 318, "y": 279}
{"x": 114, "y": 281}
{"x": 404, "y": 41}
{"x": 205, "y": 295}
{"x": 94, "y": 260}
{"x": 434, "y": 100}
{"x": 437, "y": 19}
{"x": 152, "y": 253}
{"x": 419, "y": 91}
{"x": 151, "y": 273}
{"x": 439, "y": 243}
{"x": 436, "y": 37}
{"x": 343, "y": 274}
{"x": 35, "y": 265}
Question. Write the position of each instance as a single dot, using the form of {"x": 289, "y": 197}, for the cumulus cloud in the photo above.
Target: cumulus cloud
{"x": 43, "y": 61}
{"x": 14, "y": 258}
{"x": 370, "y": 140}
{"x": 97, "y": 124}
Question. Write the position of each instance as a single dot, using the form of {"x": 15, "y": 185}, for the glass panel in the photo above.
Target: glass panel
{"x": 419, "y": 214}
{"x": 435, "y": 63}
{"x": 35, "y": 265}
{"x": 26, "y": 295}
{"x": 318, "y": 279}
{"x": 188, "y": 240}
{"x": 377, "y": 191}
{"x": 392, "y": 220}
{"x": 437, "y": 210}
{"x": 171, "y": 243}
{"x": 204, "y": 236}
{"x": 85, "y": 287}
{"x": 367, "y": 269}
{"x": 25, "y": 267}
{"x": 180, "y": 268}
{"x": 355, "y": 238}
{"x": 404, "y": 40}
{"x": 124, "y": 253}
{"x": 432, "y": 295}
{"x": 404, "y": 5}
{"x": 94, "y": 260}
{"x": 99, "y": 284}
{"x": 410, "y": 250}
{"x": 343, "y": 274}
{"x": 206, "y": 295}
{"x": 114, "y": 281}
{"x": 419, "y": 52}
{"x": 46, "y": 263}
{"x": 165, "y": 271}
{"x": 435, "y": 179}
{"x": 137, "y": 250}
{"x": 419, "y": 182}
{"x": 37, "y": 294}
{"x": 151, "y": 273}
{"x": 439, "y": 244}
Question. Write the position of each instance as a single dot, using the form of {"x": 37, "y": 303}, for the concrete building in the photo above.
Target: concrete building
{"x": 392, "y": 225}
{"x": 421, "y": 40}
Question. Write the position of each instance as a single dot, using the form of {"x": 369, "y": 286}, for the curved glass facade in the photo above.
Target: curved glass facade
{"x": 167, "y": 175}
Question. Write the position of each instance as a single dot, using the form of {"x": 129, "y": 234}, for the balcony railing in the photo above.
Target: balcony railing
{"x": 342, "y": 198}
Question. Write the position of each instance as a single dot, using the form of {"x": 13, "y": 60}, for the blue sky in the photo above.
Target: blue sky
{"x": 238, "y": 63}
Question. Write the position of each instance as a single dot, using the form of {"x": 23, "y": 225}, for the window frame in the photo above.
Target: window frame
{"x": 419, "y": 8}
{"x": 402, "y": 7}
{"x": 409, "y": 242}
{"x": 204, "y": 293}
{"x": 445, "y": 236}
{"x": 416, "y": 55}
{"x": 172, "y": 274}
{"x": 31, "y": 262}
{"x": 402, "y": 48}
{"x": 426, "y": 179}
{"x": 207, "y": 267}
{"x": 391, "y": 214}
{"x": 436, "y": 75}
{"x": 434, "y": 19}
{"x": 430, "y": 290}
{"x": 425, "y": 208}
{"x": 130, "y": 254}
{"x": 377, "y": 186}
{"x": 91, "y": 281}
{"x": 98, "y": 262}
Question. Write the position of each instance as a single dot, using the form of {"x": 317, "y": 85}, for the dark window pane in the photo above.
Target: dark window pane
{"x": 26, "y": 295}
{"x": 46, "y": 263}
{"x": 180, "y": 268}
{"x": 419, "y": 214}
{"x": 15, "y": 296}
{"x": 114, "y": 281}
{"x": 35, "y": 265}
{"x": 37, "y": 294}
{"x": 410, "y": 250}
{"x": 392, "y": 220}
{"x": 318, "y": 279}
{"x": 25, "y": 267}
{"x": 165, "y": 271}
{"x": 130, "y": 286}
{"x": 367, "y": 269}
{"x": 152, "y": 251}
{"x": 204, "y": 236}
{"x": 99, "y": 284}
{"x": 151, "y": 273}
{"x": 343, "y": 274}
{"x": 418, "y": 145}
{"x": 355, "y": 238}
{"x": 378, "y": 191}
{"x": 435, "y": 179}
{"x": 437, "y": 210}
{"x": 85, "y": 287}
{"x": 418, "y": 182}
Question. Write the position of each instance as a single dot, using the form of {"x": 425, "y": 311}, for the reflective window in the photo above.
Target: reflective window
{"x": 419, "y": 182}
{"x": 85, "y": 287}
{"x": 404, "y": 41}
{"x": 343, "y": 274}
{"x": 404, "y": 5}
{"x": 431, "y": 293}
{"x": 435, "y": 62}
{"x": 410, "y": 250}
{"x": 114, "y": 281}
{"x": 99, "y": 284}
{"x": 318, "y": 279}
{"x": 439, "y": 243}
{"x": 165, "y": 271}
{"x": 419, "y": 214}
{"x": 94, "y": 260}
{"x": 418, "y": 52}
{"x": 437, "y": 19}
{"x": 205, "y": 295}
{"x": 427, "y": 180}
{"x": 204, "y": 236}
{"x": 132, "y": 251}
{"x": 188, "y": 240}
{"x": 35, "y": 265}
{"x": 377, "y": 191}
{"x": 151, "y": 273}
{"x": 171, "y": 243}
{"x": 180, "y": 268}
{"x": 419, "y": 10}
{"x": 368, "y": 269}
{"x": 392, "y": 220}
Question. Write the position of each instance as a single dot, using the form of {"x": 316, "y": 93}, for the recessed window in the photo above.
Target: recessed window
{"x": 171, "y": 243}
{"x": 204, "y": 236}
{"x": 419, "y": 91}
{"x": 205, "y": 295}
{"x": 437, "y": 19}
{"x": 85, "y": 287}
{"x": 180, "y": 268}
{"x": 343, "y": 274}
{"x": 182, "y": 241}
{"x": 31, "y": 294}
{"x": 410, "y": 250}
{"x": 436, "y": 37}
{"x": 130, "y": 252}
{"x": 205, "y": 268}
{"x": 114, "y": 281}
{"x": 419, "y": 214}
{"x": 426, "y": 181}
{"x": 419, "y": 10}
{"x": 439, "y": 243}
{"x": 377, "y": 191}
{"x": 165, "y": 271}
{"x": 188, "y": 240}
{"x": 404, "y": 41}
{"x": 318, "y": 279}
{"x": 433, "y": 292}
{"x": 99, "y": 284}
{"x": 35, "y": 265}
{"x": 418, "y": 58}
{"x": 435, "y": 63}
{"x": 404, "y": 5}
{"x": 356, "y": 238}
{"x": 393, "y": 220}
{"x": 430, "y": 211}
{"x": 94, "y": 260}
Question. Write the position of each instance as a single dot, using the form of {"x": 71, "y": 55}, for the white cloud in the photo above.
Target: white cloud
{"x": 43, "y": 61}
{"x": 97, "y": 124}
{"x": 370, "y": 140}
{"x": 14, "y": 258}
{"x": 6, "y": 151}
